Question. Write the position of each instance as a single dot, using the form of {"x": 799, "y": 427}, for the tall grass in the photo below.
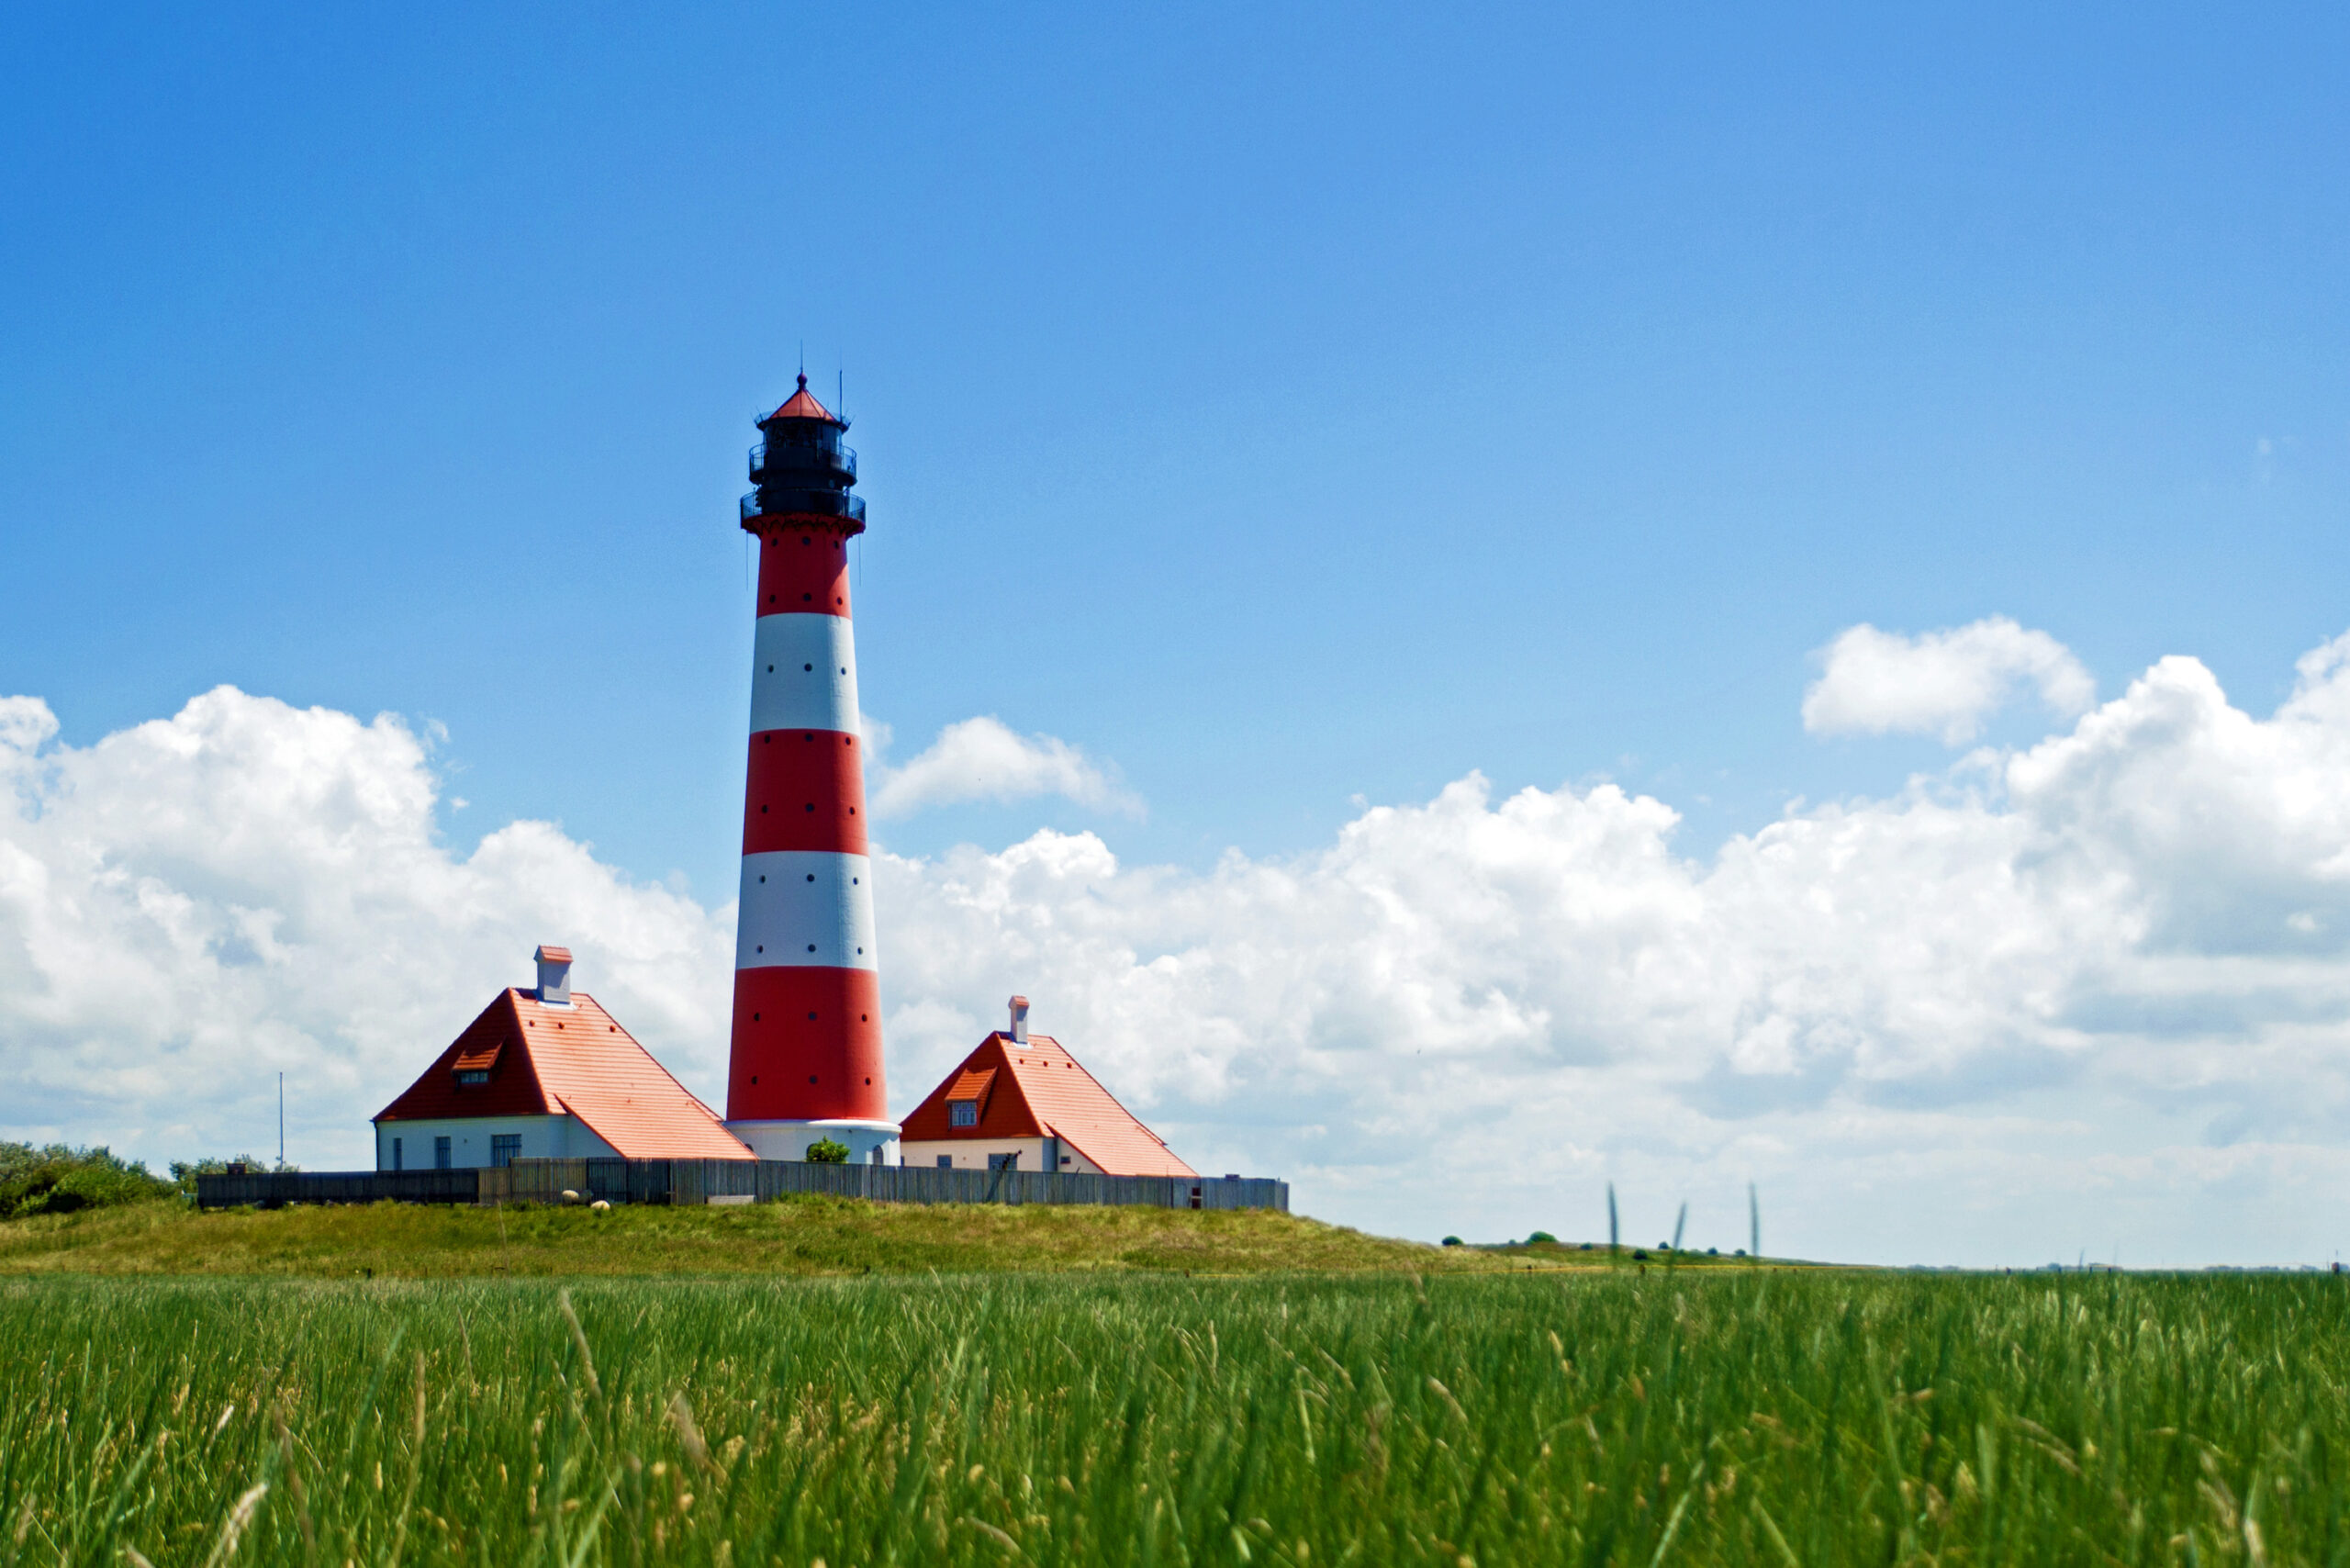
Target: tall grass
{"x": 1722, "y": 1417}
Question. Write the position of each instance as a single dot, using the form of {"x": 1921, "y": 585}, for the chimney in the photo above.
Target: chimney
{"x": 555, "y": 976}
{"x": 1019, "y": 1019}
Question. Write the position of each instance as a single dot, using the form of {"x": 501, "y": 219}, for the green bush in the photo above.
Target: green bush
{"x": 57, "y": 1179}
{"x": 1542, "y": 1236}
{"x": 826, "y": 1151}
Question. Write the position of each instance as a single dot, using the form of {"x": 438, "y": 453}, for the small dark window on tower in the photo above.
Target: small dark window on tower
{"x": 811, "y": 1078}
{"x": 812, "y": 947}
{"x": 805, "y": 596}
{"x": 812, "y": 877}
{"x": 770, "y": 669}
{"x": 760, "y": 949}
{"x": 807, "y": 667}
{"x": 762, "y": 878}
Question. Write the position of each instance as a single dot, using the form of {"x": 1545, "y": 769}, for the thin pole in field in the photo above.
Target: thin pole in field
{"x": 281, "y": 1121}
{"x": 1611, "y": 1219}
{"x": 1753, "y": 1223}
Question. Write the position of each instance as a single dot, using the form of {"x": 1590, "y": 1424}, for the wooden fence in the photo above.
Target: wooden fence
{"x": 735, "y": 1181}
{"x": 274, "y": 1189}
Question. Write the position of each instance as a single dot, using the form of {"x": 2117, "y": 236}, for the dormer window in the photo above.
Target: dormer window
{"x": 472, "y": 1075}
{"x": 962, "y": 1113}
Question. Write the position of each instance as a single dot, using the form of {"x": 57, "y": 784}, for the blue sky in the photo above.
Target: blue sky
{"x": 1293, "y": 409}
{"x": 1285, "y": 404}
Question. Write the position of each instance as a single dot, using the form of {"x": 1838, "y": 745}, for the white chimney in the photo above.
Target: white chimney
{"x": 555, "y": 976}
{"x": 1019, "y": 1019}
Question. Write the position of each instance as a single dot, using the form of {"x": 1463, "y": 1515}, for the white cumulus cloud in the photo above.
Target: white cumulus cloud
{"x": 986, "y": 759}
{"x": 1940, "y": 683}
{"x": 2093, "y": 995}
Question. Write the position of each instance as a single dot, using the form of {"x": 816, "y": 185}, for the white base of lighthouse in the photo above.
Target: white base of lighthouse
{"x": 870, "y": 1143}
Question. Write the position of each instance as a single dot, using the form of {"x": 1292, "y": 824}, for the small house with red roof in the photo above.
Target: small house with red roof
{"x": 1022, "y": 1102}
{"x": 547, "y": 1073}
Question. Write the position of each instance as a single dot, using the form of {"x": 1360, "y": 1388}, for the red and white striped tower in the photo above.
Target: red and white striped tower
{"x": 807, "y": 1047}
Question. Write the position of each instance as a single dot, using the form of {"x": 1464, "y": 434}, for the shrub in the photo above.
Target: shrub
{"x": 1452, "y": 1241}
{"x": 58, "y": 1180}
{"x": 827, "y": 1151}
{"x": 1542, "y": 1236}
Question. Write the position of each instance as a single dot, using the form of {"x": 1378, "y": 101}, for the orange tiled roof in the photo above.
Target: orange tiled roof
{"x": 1042, "y": 1092}
{"x": 547, "y": 1060}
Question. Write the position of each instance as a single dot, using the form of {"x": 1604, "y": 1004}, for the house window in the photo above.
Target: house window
{"x": 396, "y": 1164}
{"x": 1005, "y": 1161}
{"x": 946, "y": 1162}
{"x": 962, "y": 1113}
{"x": 472, "y": 1075}
{"x": 440, "y": 1154}
{"x": 505, "y": 1149}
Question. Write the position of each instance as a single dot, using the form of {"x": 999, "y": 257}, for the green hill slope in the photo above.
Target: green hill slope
{"x": 800, "y": 1235}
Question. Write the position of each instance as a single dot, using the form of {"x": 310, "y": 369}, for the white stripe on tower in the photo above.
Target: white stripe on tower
{"x": 807, "y": 907}
{"x": 803, "y": 674}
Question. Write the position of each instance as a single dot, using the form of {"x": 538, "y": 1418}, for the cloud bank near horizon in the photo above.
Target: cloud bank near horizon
{"x": 2091, "y": 990}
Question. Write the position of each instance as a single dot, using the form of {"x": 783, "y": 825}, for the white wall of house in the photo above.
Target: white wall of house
{"x": 972, "y": 1154}
{"x": 544, "y": 1137}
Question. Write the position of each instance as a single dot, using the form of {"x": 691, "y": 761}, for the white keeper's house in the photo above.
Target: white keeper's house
{"x": 545, "y": 1073}
{"x": 1021, "y": 1103}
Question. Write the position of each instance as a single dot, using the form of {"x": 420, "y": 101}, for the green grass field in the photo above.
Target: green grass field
{"x": 1812, "y": 1417}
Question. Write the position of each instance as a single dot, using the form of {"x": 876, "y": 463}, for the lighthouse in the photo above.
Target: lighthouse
{"x": 806, "y": 1058}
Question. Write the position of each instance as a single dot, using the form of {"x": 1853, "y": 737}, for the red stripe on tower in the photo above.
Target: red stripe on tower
{"x": 806, "y": 1061}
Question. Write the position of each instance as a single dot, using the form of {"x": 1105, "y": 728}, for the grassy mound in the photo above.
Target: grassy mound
{"x": 802, "y": 1236}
